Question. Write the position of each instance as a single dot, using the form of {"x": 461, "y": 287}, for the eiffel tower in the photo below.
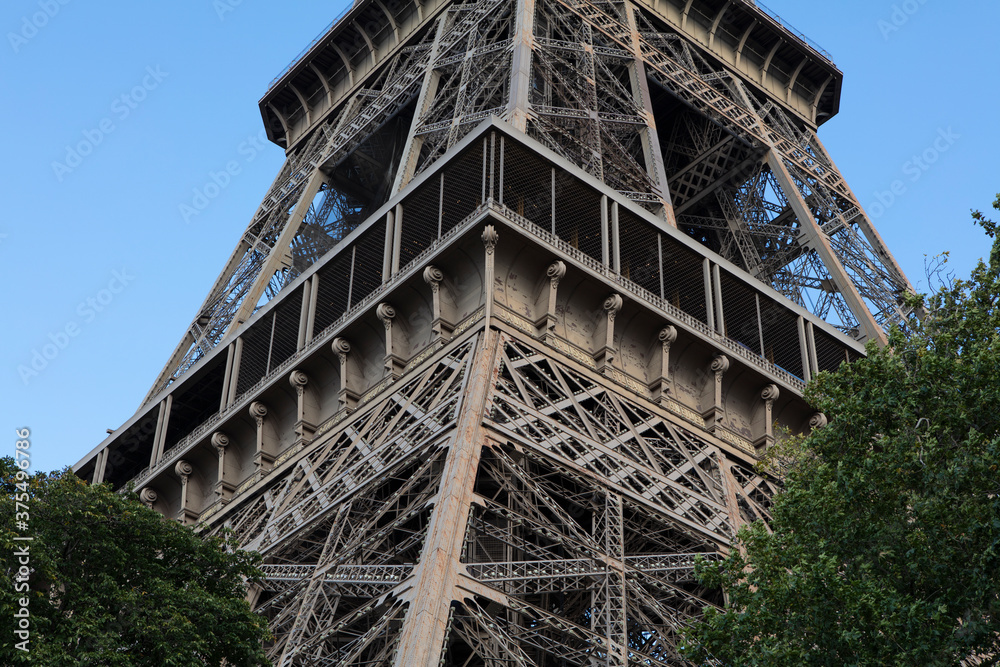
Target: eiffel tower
{"x": 492, "y": 364}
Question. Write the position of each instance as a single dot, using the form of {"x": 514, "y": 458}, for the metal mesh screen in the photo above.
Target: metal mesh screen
{"x": 331, "y": 297}
{"x": 640, "y": 251}
{"x": 421, "y": 213}
{"x": 130, "y": 454}
{"x": 196, "y": 401}
{"x": 527, "y": 185}
{"x": 463, "y": 186}
{"x": 286, "y": 329}
{"x": 578, "y": 215}
{"x": 781, "y": 336}
{"x": 739, "y": 307}
{"x": 829, "y": 352}
{"x": 253, "y": 359}
{"x": 368, "y": 256}
{"x": 683, "y": 279}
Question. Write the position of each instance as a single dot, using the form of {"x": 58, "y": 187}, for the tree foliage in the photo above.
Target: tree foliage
{"x": 114, "y": 583}
{"x": 886, "y": 541}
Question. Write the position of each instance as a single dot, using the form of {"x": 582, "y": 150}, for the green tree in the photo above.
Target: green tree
{"x": 114, "y": 583}
{"x": 885, "y": 547}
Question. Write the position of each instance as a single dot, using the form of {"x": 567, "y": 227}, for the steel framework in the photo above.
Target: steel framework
{"x": 494, "y": 361}
{"x": 701, "y": 126}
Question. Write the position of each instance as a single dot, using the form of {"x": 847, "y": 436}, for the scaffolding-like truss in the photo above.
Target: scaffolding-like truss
{"x": 614, "y": 88}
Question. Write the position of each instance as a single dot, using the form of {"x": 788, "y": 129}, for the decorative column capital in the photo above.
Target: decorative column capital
{"x": 148, "y": 496}
{"x": 299, "y": 380}
{"x": 720, "y": 364}
{"x": 556, "y": 272}
{"x": 220, "y": 441}
{"x": 490, "y": 239}
{"x": 433, "y": 277}
{"x": 183, "y": 469}
{"x": 386, "y": 313}
{"x": 817, "y": 421}
{"x": 341, "y": 348}
{"x": 613, "y": 305}
{"x": 667, "y": 336}
{"x": 258, "y": 411}
{"x": 770, "y": 393}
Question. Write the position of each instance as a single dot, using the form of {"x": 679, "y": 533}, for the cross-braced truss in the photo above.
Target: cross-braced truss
{"x": 578, "y": 534}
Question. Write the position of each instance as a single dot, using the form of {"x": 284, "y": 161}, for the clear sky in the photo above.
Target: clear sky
{"x": 103, "y": 265}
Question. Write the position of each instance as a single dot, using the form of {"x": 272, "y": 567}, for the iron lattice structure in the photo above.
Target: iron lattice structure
{"x": 497, "y": 355}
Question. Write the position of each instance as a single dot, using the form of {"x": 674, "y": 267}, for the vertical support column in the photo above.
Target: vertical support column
{"x": 267, "y": 439}
{"x": 763, "y": 425}
{"x": 226, "y": 378}
{"x": 659, "y": 386}
{"x": 500, "y": 180}
{"x": 659, "y": 264}
{"x": 304, "y": 314}
{"x": 552, "y": 199}
{"x": 100, "y": 464}
{"x": 713, "y": 410}
{"x": 397, "y": 239}
{"x": 490, "y": 241}
{"x": 392, "y": 362}
{"x": 306, "y": 407}
{"x": 347, "y": 396}
{"x": 720, "y": 317}
{"x": 485, "y": 176}
{"x": 605, "y": 338}
{"x": 811, "y": 348}
{"x": 520, "y": 75}
{"x": 492, "y": 174}
{"x": 441, "y": 322}
{"x": 440, "y": 203}
{"x": 804, "y": 350}
{"x": 162, "y": 421}
{"x": 760, "y": 323}
{"x": 185, "y": 514}
{"x": 547, "y": 323}
{"x": 709, "y": 308}
{"x": 609, "y": 600}
{"x": 616, "y": 250}
{"x": 605, "y": 233}
{"x": 313, "y": 300}
{"x": 234, "y": 380}
{"x": 224, "y": 488}
{"x": 390, "y": 245}
{"x": 437, "y": 575}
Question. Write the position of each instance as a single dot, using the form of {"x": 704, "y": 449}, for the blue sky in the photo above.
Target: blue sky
{"x": 105, "y": 268}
